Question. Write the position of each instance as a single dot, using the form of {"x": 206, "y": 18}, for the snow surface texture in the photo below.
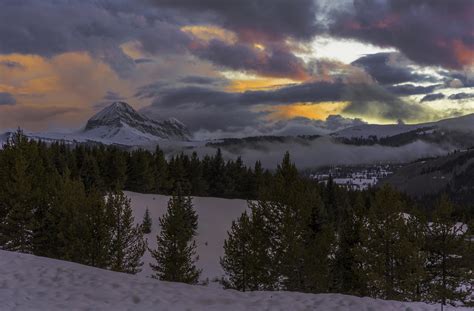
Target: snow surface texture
{"x": 215, "y": 218}
{"x": 35, "y": 283}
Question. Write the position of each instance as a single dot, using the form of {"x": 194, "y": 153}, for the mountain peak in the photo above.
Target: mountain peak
{"x": 120, "y": 119}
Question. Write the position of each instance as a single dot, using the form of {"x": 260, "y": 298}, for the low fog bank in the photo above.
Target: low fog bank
{"x": 324, "y": 151}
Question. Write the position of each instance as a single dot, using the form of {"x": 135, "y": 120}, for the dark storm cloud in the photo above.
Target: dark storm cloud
{"x": 143, "y": 60}
{"x": 410, "y": 89}
{"x": 192, "y": 95}
{"x": 460, "y": 96}
{"x": 432, "y": 97}
{"x": 151, "y": 90}
{"x": 375, "y": 101}
{"x": 364, "y": 99}
{"x": 203, "y": 80}
{"x": 7, "y": 99}
{"x": 254, "y": 19}
{"x": 275, "y": 61}
{"x": 49, "y": 27}
{"x": 463, "y": 79}
{"x": 11, "y": 64}
{"x": 268, "y": 22}
{"x": 389, "y": 68}
{"x": 433, "y": 32}
{"x": 231, "y": 118}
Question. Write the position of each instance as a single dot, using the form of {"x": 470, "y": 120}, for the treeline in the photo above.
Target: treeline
{"x": 108, "y": 168}
{"x": 320, "y": 239}
{"x": 46, "y": 213}
{"x": 47, "y": 210}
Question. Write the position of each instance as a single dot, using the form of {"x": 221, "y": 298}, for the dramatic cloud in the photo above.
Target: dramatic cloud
{"x": 410, "y": 89}
{"x": 262, "y": 109}
{"x": 432, "y": 97}
{"x": 275, "y": 61}
{"x": 459, "y": 96}
{"x": 203, "y": 80}
{"x": 11, "y": 64}
{"x": 49, "y": 28}
{"x": 253, "y": 20}
{"x": 243, "y": 67}
{"x": 433, "y": 32}
{"x": 390, "y": 68}
{"x": 7, "y": 99}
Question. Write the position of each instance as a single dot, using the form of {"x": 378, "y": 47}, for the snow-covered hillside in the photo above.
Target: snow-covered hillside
{"x": 34, "y": 283}
{"x": 463, "y": 123}
{"x": 215, "y": 218}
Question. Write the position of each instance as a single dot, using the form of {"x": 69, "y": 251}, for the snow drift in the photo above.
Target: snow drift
{"x": 34, "y": 283}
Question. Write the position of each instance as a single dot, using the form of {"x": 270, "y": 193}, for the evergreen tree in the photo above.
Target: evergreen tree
{"x": 301, "y": 237}
{"x": 127, "y": 242}
{"x": 238, "y": 256}
{"x": 161, "y": 173}
{"x": 247, "y": 259}
{"x": 115, "y": 169}
{"x": 95, "y": 230}
{"x": 16, "y": 225}
{"x": 344, "y": 267}
{"x": 139, "y": 172}
{"x": 389, "y": 257}
{"x": 55, "y": 232}
{"x": 176, "y": 248}
{"x": 147, "y": 222}
{"x": 90, "y": 173}
{"x": 448, "y": 246}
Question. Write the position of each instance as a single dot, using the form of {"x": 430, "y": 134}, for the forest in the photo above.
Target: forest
{"x": 67, "y": 203}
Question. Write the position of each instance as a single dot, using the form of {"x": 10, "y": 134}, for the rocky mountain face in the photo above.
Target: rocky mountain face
{"x": 119, "y": 120}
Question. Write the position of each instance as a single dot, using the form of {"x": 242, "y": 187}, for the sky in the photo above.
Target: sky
{"x": 236, "y": 68}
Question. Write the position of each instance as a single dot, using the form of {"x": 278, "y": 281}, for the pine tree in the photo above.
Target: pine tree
{"x": 16, "y": 225}
{"x": 161, "y": 173}
{"x": 127, "y": 242}
{"x": 176, "y": 248}
{"x": 147, "y": 222}
{"x": 247, "y": 258}
{"x": 389, "y": 257}
{"x": 238, "y": 256}
{"x": 55, "y": 232}
{"x": 447, "y": 246}
{"x": 345, "y": 279}
{"x": 90, "y": 173}
{"x": 139, "y": 172}
{"x": 77, "y": 226}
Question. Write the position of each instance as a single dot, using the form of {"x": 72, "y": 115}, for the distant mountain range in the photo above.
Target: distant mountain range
{"x": 119, "y": 124}
{"x": 451, "y": 174}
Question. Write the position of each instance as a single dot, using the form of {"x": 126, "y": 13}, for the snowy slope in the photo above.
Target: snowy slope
{"x": 464, "y": 123}
{"x": 215, "y": 218}
{"x": 119, "y": 121}
{"x": 118, "y": 124}
{"x": 34, "y": 283}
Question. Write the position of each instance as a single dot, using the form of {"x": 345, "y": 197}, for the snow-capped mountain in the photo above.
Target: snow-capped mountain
{"x": 121, "y": 122}
{"x": 118, "y": 124}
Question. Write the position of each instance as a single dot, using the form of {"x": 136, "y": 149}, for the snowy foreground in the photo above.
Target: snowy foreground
{"x": 215, "y": 218}
{"x": 34, "y": 283}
